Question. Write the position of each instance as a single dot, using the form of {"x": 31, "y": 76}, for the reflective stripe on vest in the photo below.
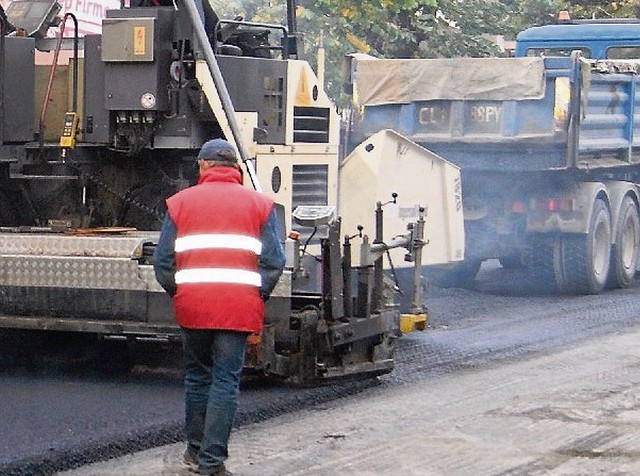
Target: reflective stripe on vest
{"x": 218, "y": 240}
{"x": 218, "y": 275}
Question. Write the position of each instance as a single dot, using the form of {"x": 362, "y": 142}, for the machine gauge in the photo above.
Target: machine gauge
{"x": 148, "y": 101}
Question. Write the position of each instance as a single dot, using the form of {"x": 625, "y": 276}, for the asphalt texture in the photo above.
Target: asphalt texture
{"x": 60, "y": 413}
{"x": 562, "y": 412}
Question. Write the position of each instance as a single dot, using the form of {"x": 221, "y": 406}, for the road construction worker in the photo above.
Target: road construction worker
{"x": 219, "y": 256}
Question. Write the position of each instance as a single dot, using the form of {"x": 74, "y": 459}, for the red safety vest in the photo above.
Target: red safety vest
{"x": 218, "y": 225}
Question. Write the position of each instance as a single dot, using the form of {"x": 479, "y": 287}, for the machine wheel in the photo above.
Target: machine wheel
{"x": 460, "y": 275}
{"x": 624, "y": 254}
{"x": 585, "y": 259}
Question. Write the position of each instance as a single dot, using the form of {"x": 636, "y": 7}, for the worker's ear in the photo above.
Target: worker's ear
{"x": 197, "y": 168}
{"x": 202, "y": 165}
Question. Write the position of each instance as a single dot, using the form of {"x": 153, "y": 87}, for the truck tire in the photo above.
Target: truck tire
{"x": 543, "y": 265}
{"x": 626, "y": 245}
{"x": 585, "y": 259}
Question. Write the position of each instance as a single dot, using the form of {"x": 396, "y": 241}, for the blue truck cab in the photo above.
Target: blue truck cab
{"x": 596, "y": 39}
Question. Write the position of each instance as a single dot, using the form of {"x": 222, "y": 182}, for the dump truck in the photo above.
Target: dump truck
{"x": 547, "y": 143}
{"x": 96, "y": 131}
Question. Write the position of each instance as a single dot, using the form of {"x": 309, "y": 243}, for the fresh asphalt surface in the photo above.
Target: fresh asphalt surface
{"x": 59, "y": 412}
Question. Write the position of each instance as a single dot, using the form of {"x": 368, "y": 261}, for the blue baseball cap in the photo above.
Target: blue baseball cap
{"x": 219, "y": 150}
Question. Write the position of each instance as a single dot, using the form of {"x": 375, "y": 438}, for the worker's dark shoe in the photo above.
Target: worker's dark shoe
{"x": 221, "y": 471}
{"x": 190, "y": 460}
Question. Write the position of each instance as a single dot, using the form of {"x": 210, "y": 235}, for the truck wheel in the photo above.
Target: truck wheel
{"x": 624, "y": 254}
{"x": 543, "y": 264}
{"x": 585, "y": 259}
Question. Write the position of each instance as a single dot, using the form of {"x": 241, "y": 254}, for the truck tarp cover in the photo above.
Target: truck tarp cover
{"x": 401, "y": 81}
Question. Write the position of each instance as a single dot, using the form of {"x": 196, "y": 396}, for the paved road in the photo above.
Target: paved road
{"x": 559, "y": 412}
{"x": 59, "y": 414}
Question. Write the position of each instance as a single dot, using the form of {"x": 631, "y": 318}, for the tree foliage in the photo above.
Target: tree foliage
{"x": 414, "y": 28}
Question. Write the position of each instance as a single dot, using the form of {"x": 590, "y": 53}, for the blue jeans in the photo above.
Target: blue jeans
{"x": 213, "y": 364}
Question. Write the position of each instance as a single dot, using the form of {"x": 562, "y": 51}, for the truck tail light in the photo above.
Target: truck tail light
{"x": 554, "y": 204}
